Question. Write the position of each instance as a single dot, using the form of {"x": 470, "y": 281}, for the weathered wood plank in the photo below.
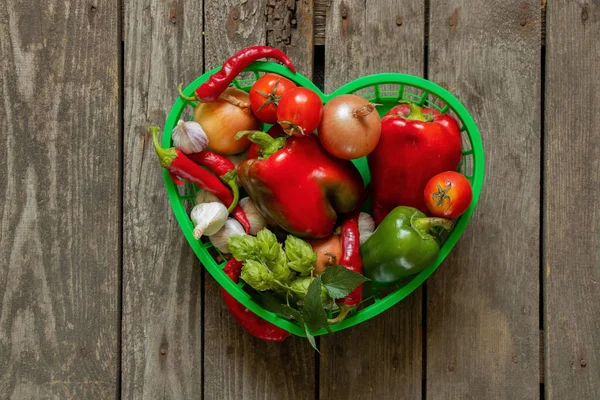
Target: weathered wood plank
{"x": 571, "y": 197}
{"x": 236, "y": 364}
{"x": 162, "y": 332}
{"x": 59, "y": 200}
{"x": 320, "y": 21}
{"x": 482, "y": 304}
{"x": 380, "y": 358}
{"x": 290, "y": 28}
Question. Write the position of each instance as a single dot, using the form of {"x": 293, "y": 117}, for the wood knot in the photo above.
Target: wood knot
{"x": 453, "y": 20}
{"x": 83, "y": 351}
{"x": 399, "y": 20}
{"x": 515, "y": 359}
{"x": 584, "y": 13}
{"x": 93, "y": 9}
{"x": 163, "y": 351}
{"x": 583, "y": 362}
{"x": 344, "y": 10}
{"x": 235, "y": 14}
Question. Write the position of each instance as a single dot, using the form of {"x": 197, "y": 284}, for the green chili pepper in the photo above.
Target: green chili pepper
{"x": 403, "y": 244}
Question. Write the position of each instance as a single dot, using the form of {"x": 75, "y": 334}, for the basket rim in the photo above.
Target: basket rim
{"x": 380, "y": 305}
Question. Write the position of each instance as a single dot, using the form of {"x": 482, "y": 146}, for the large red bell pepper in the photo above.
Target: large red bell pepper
{"x": 415, "y": 144}
{"x": 297, "y": 185}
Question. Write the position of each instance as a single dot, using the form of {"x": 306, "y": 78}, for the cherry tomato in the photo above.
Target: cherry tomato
{"x": 265, "y": 95}
{"x": 274, "y": 131}
{"x": 300, "y": 111}
{"x": 448, "y": 194}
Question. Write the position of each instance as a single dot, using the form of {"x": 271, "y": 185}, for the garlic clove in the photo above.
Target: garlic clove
{"x": 255, "y": 218}
{"x": 208, "y": 218}
{"x": 221, "y": 239}
{"x": 189, "y": 137}
{"x": 366, "y": 226}
{"x": 203, "y": 196}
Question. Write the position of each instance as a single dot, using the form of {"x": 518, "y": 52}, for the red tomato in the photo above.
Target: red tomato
{"x": 300, "y": 111}
{"x": 274, "y": 131}
{"x": 448, "y": 194}
{"x": 265, "y": 95}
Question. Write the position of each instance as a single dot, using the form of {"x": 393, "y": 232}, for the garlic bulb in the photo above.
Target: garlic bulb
{"x": 208, "y": 218}
{"x": 257, "y": 221}
{"x": 366, "y": 226}
{"x": 203, "y": 196}
{"x": 221, "y": 239}
{"x": 189, "y": 137}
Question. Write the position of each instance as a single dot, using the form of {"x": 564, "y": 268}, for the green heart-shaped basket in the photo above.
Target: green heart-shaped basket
{"x": 385, "y": 89}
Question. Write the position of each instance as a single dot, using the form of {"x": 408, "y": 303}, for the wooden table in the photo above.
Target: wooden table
{"x": 101, "y": 297}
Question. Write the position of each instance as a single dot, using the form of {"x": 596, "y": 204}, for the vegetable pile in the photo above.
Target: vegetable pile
{"x": 294, "y": 232}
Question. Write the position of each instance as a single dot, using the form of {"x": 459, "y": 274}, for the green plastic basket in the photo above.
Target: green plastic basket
{"x": 385, "y": 89}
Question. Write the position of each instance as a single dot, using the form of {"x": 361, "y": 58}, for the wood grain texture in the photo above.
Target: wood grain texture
{"x": 290, "y": 28}
{"x": 236, "y": 365}
{"x": 320, "y": 20}
{"x": 482, "y": 303}
{"x": 571, "y": 197}
{"x": 380, "y": 358}
{"x": 59, "y": 200}
{"x": 162, "y": 314}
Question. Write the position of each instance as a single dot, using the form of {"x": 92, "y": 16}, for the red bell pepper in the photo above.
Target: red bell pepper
{"x": 297, "y": 185}
{"x": 254, "y": 324}
{"x": 416, "y": 143}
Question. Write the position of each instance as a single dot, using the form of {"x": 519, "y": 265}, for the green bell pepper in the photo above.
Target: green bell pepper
{"x": 402, "y": 245}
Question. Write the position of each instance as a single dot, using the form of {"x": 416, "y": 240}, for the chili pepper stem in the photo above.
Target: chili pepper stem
{"x": 165, "y": 156}
{"x": 185, "y": 97}
{"x": 416, "y": 112}
{"x": 230, "y": 179}
{"x": 344, "y": 311}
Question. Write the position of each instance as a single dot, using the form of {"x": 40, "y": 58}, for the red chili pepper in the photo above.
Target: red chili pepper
{"x": 254, "y": 324}
{"x": 215, "y": 162}
{"x": 220, "y": 80}
{"x": 352, "y": 260}
{"x": 180, "y": 165}
{"x": 415, "y": 145}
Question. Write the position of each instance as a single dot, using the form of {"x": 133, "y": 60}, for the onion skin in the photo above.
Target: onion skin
{"x": 350, "y": 127}
{"x": 329, "y": 252}
{"x": 221, "y": 120}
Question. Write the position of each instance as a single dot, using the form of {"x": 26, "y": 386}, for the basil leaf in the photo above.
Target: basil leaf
{"x": 295, "y": 314}
{"x": 272, "y": 303}
{"x": 311, "y": 339}
{"x": 312, "y": 310}
{"x": 340, "y": 281}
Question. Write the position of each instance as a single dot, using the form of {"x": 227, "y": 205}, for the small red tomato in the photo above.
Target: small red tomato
{"x": 265, "y": 95}
{"x": 448, "y": 194}
{"x": 300, "y": 111}
{"x": 254, "y": 149}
